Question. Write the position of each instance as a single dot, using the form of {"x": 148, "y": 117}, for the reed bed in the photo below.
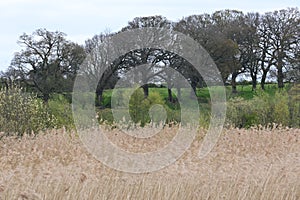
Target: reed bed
{"x": 256, "y": 163}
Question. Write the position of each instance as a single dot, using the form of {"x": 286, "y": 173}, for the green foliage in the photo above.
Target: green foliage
{"x": 139, "y": 106}
{"x": 105, "y": 116}
{"x": 204, "y": 120}
{"x": 173, "y": 115}
{"x": 106, "y": 102}
{"x": 203, "y": 93}
{"x": 294, "y": 105}
{"x": 280, "y": 114}
{"x": 263, "y": 109}
{"x": 245, "y": 109}
{"x": 23, "y": 113}
{"x": 60, "y": 108}
{"x": 239, "y": 113}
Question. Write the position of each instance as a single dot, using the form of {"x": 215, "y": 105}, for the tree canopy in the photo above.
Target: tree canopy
{"x": 246, "y": 45}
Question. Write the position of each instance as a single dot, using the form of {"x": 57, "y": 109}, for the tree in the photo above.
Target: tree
{"x": 293, "y": 72}
{"x": 283, "y": 28}
{"x": 11, "y": 76}
{"x": 231, "y": 25}
{"x": 99, "y": 67}
{"x": 266, "y": 60}
{"x": 214, "y": 33}
{"x": 146, "y": 55}
{"x": 249, "y": 51}
{"x": 48, "y": 62}
{"x": 98, "y": 70}
{"x": 3, "y": 80}
{"x": 157, "y": 21}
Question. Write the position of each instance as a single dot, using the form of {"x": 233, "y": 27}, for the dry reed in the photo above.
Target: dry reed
{"x": 245, "y": 164}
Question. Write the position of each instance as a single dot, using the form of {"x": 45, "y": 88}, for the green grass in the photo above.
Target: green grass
{"x": 203, "y": 95}
{"x": 244, "y": 91}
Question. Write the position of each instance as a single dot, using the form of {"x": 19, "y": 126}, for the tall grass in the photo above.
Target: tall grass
{"x": 245, "y": 164}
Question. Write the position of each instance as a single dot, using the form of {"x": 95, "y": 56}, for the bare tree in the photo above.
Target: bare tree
{"x": 282, "y": 28}
{"x": 47, "y": 61}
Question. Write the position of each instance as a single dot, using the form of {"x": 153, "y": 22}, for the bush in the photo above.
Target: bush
{"x": 264, "y": 109}
{"x": 22, "y": 113}
{"x": 105, "y": 116}
{"x": 281, "y": 113}
{"x": 106, "y": 100}
{"x": 294, "y": 105}
{"x": 139, "y": 106}
{"x": 240, "y": 113}
{"x": 60, "y": 107}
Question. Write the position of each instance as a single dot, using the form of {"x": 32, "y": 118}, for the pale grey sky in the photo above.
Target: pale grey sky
{"x": 82, "y": 19}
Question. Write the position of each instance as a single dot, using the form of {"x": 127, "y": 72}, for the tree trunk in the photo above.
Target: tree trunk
{"x": 254, "y": 82}
{"x": 46, "y": 98}
{"x": 263, "y": 80}
{"x": 279, "y": 69}
{"x": 280, "y": 76}
{"x": 170, "y": 96}
{"x": 233, "y": 82}
{"x": 193, "y": 91}
{"x": 99, "y": 97}
{"x": 146, "y": 90}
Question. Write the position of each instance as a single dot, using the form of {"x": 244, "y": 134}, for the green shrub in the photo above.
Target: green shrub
{"x": 246, "y": 113}
{"x": 294, "y": 105}
{"x": 60, "y": 108}
{"x": 205, "y": 117}
{"x": 264, "y": 109}
{"x": 106, "y": 102}
{"x": 22, "y": 113}
{"x": 240, "y": 113}
{"x": 173, "y": 115}
{"x": 139, "y": 106}
{"x": 105, "y": 116}
{"x": 261, "y": 106}
{"x": 281, "y": 113}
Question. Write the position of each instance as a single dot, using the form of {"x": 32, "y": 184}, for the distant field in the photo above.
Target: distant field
{"x": 245, "y": 164}
{"x": 243, "y": 91}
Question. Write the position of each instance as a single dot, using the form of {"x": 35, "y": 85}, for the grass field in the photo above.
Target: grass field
{"x": 245, "y": 164}
{"x": 244, "y": 91}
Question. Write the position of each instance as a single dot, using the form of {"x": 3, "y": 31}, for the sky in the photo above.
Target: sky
{"x": 82, "y": 19}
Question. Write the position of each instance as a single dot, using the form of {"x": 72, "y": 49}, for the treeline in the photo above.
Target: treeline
{"x": 252, "y": 45}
